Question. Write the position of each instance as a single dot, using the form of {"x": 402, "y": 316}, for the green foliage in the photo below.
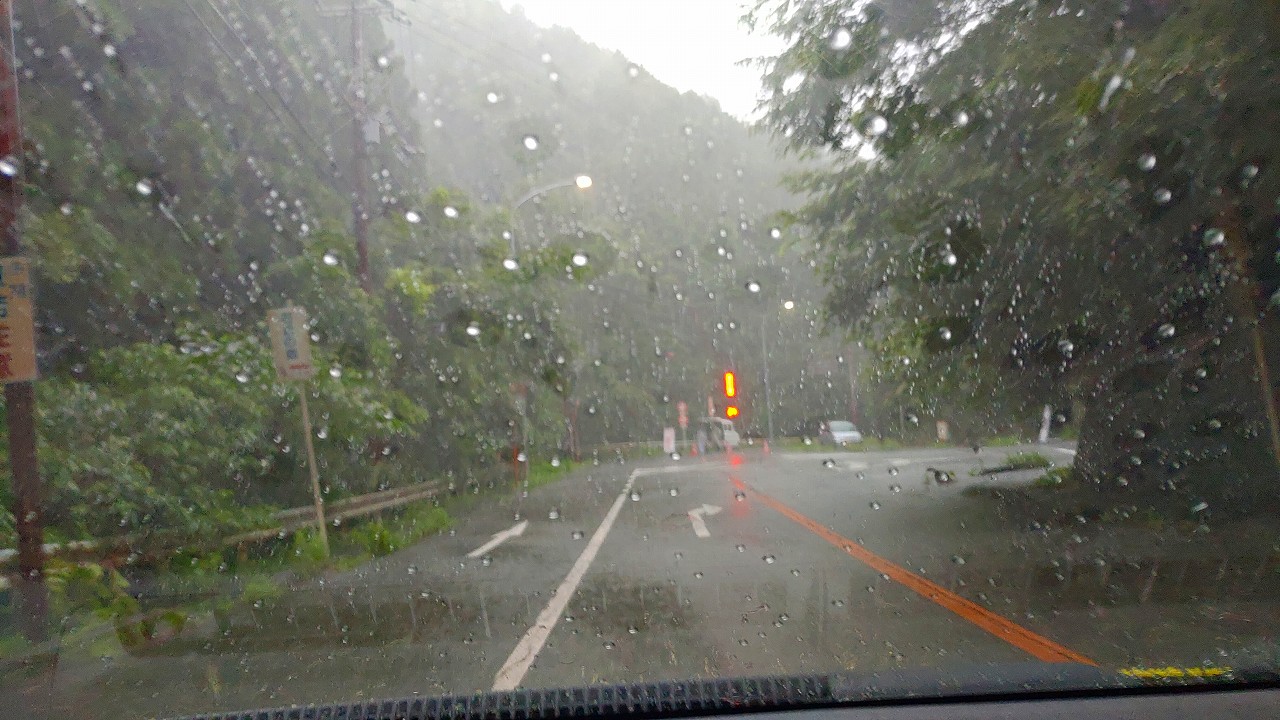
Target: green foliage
{"x": 308, "y": 552}
{"x": 545, "y": 473}
{"x": 375, "y": 537}
{"x": 1055, "y": 478}
{"x": 1016, "y": 461}
{"x": 1045, "y": 193}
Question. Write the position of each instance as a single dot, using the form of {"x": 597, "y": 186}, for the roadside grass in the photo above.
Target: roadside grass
{"x": 545, "y": 473}
{"x": 867, "y": 445}
{"x": 1015, "y": 462}
{"x": 1003, "y": 441}
{"x": 1054, "y": 478}
{"x": 100, "y": 614}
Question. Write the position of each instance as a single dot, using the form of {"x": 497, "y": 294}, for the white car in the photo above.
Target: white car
{"x": 840, "y": 432}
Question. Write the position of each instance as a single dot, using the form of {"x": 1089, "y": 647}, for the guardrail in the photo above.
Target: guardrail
{"x": 285, "y": 523}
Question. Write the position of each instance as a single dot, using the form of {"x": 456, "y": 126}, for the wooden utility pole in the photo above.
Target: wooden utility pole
{"x": 19, "y": 389}
{"x": 358, "y": 10}
{"x": 360, "y": 114}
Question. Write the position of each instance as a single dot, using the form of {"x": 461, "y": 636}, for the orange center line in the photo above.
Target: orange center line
{"x": 1038, "y": 646}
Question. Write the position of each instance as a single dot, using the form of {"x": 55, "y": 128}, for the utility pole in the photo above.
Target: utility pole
{"x": 358, "y": 10}
{"x": 19, "y": 389}
{"x": 853, "y": 391}
{"x": 360, "y": 112}
{"x": 764, "y": 357}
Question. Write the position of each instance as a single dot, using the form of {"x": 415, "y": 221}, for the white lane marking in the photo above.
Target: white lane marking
{"x": 1068, "y": 451}
{"x": 855, "y": 465}
{"x": 899, "y": 462}
{"x": 522, "y": 657}
{"x": 498, "y": 538}
{"x": 697, "y": 515}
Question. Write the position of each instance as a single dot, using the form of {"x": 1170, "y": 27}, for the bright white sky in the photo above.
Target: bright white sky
{"x": 687, "y": 44}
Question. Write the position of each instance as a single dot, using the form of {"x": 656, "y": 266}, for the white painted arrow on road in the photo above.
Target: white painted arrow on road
{"x": 696, "y": 516}
{"x": 498, "y": 538}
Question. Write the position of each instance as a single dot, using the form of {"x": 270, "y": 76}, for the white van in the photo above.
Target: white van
{"x": 720, "y": 432}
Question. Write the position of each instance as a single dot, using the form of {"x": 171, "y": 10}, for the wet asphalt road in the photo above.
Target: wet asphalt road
{"x": 799, "y": 564}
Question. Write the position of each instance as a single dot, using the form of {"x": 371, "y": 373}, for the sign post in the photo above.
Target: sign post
{"x": 18, "y": 373}
{"x": 291, "y": 347}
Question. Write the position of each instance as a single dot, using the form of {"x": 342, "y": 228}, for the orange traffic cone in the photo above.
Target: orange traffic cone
{"x": 766, "y": 446}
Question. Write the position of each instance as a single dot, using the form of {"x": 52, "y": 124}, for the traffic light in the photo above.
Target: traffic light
{"x": 730, "y": 392}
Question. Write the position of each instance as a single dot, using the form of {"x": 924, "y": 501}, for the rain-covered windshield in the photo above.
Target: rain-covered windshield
{"x": 363, "y": 349}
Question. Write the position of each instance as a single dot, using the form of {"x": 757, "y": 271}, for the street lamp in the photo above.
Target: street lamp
{"x": 581, "y": 182}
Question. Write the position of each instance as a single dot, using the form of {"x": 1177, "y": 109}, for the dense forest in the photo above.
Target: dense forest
{"x": 1068, "y": 205}
{"x": 191, "y": 165}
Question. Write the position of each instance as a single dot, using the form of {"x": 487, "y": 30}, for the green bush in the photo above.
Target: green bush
{"x": 1027, "y": 461}
{"x": 376, "y": 538}
{"x": 309, "y": 554}
{"x": 545, "y": 473}
{"x": 422, "y": 520}
{"x": 1054, "y": 478}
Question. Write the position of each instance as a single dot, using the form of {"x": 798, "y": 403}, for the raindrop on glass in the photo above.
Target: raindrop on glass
{"x": 530, "y": 142}
{"x": 330, "y": 259}
{"x": 580, "y": 259}
{"x": 769, "y": 559}
{"x": 1147, "y": 162}
{"x": 877, "y": 125}
{"x": 413, "y": 217}
{"x": 577, "y": 534}
{"x": 335, "y": 372}
{"x": 841, "y": 39}
{"x": 753, "y": 286}
{"x": 1166, "y": 331}
{"x": 450, "y": 212}
{"x": 143, "y": 186}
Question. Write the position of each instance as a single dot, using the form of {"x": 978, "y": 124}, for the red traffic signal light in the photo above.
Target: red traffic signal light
{"x": 730, "y": 385}
{"x": 731, "y": 412}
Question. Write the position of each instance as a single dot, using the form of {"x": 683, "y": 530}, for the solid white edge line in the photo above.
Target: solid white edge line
{"x": 526, "y": 651}
{"x": 1068, "y": 451}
